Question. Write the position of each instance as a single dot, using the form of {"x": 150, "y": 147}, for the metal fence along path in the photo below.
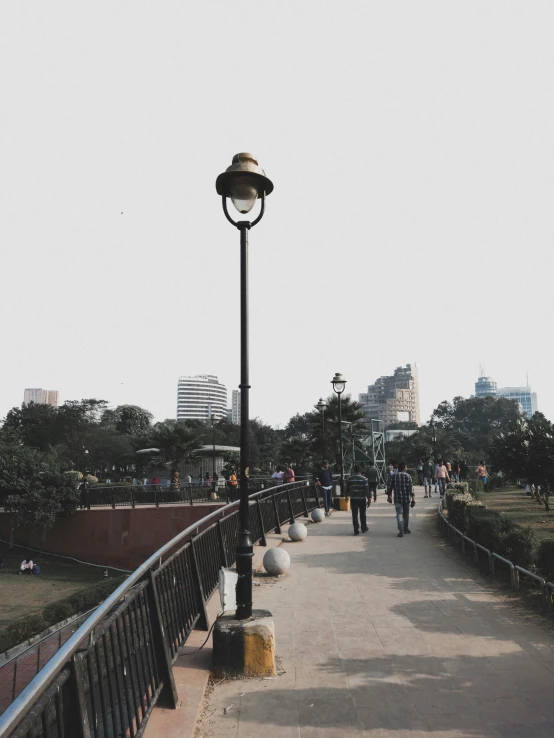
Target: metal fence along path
{"x": 109, "y": 687}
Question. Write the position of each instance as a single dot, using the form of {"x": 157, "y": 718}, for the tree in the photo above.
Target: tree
{"x": 525, "y": 450}
{"x": 177, "y": 445}
{"x": 475, "y": 420}
{"x": 129, "y": 420}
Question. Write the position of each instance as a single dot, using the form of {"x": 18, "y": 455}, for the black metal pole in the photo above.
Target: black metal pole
{"x": 340, "y": 447}
{"x": 245, "y": 550}
{"x": 213, "y": 456}
{"x": 323, "y": 435}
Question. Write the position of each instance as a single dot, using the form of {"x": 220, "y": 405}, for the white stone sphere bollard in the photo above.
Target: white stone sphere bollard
{"x": 276, "y": 562}
{"x": 297, "y": 532}
{"x": 317, "y": 515}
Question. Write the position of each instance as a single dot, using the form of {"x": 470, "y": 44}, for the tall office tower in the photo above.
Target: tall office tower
{"x": 485, "y": 387}
{"x": 527, "y": 400}
{"x": 199, "y": 397}
{"x": 41, "y": 396}
{"x": 395, "y": 398}
{"x": 235, "y": 407}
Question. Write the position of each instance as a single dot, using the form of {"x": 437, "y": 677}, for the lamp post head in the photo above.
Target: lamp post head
{"x": 321, "y": 405}
{"x": 338, "y": 383}
{"x": 244, "y": 182}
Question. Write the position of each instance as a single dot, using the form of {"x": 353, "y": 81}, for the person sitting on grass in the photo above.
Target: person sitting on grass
{"x": 26, "y": 566}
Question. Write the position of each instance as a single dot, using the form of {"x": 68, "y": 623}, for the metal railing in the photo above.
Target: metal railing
{"x": 109, "y": 688}
{"x": 547, "y": 588}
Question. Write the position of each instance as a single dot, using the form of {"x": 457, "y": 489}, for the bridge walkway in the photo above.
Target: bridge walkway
{"x": 381, "y": 636}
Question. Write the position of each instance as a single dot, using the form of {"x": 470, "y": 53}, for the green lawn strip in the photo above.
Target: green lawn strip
{"x": 521, "y": 509}
{"x": 29, "y": 604}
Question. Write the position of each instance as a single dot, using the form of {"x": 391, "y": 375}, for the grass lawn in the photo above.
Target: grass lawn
{"x": 59, "y": 578}
{"x": 521, "y": 509}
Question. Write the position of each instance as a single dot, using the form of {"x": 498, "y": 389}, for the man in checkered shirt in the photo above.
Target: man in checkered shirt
{"x": 401, "y": 486}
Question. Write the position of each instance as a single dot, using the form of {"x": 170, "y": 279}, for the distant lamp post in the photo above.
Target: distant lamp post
{"x": 434, "y": 439}
{"x": 214, "y": 483}
{"x": 321, "y": 406}
{"x": 244, "y": 182}
{"x": 339, "y": 384}
{"x": 86, "y": 453}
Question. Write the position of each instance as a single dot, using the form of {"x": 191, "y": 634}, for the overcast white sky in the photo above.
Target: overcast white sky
{"x": 411, "y": 148}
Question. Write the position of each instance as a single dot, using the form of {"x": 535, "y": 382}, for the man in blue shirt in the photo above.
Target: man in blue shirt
{"x": 357, "y": 489}
{"x": 325, "y": 481}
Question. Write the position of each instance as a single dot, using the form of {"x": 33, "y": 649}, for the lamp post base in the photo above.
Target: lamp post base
{"x": 244, "y": 648}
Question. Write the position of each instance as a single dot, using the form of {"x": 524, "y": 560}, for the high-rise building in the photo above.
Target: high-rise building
{"x": 235, "y": 407}
{"x": 41, "y": 396}
{"x": 527, "y": 400}
{"x": 395, "y": 398}
{"x": 201, "y": 396}
{"x": 485, "y": 387}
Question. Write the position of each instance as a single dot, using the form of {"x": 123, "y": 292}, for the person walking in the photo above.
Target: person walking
{"x": 441, "y": 475}
{"x": 325, "y": 481}
{"x": 402, "y": 489}
{"x": 482, "y": 474}
{"x": 464, "y": 471}
{"x": 372, "y": 479}
{"x": 277, "y": 476}
{"x": 357, "y": 489}
{"x": 427, "y": 477}
{"x": 288, "y": 475}
{"x": 233, "y": 484}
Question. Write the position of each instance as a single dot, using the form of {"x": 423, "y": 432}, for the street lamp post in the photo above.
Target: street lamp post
{"x": 338, "y": 386}
{"x": 434, "y": 439}
{"x": 321, "y": 405}
{"x": 244, "y": 182}
{"x": 214, "y": 483}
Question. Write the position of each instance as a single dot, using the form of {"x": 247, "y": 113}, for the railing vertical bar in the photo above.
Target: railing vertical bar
{"x": 133, "y": 670}
{"x": 176, "y": 620}
{"x": 92, "y": 692}
{"x": 304, "y": 499}
{"x": 125, "y": 716}
{"x": 140, "y": 653}
{"x": 126, "y": 665}
{"x": 202, "y": 623}
{"x": 60, "y": 728}
{"x": 147, "y": 643}
{"x": 112, "y": 693}
{"x": 101, "y": 686}
{"x": 167, "y": 615}
{"x": 161, "y": 647}
{"x": 188, "y": 595}
{"x": 291, "y": 508}
{"x": 261, "y": 521}
{"x": 222, "y": 552}
{"x": 180, "y": 602}
{"x": 79, "y": 682}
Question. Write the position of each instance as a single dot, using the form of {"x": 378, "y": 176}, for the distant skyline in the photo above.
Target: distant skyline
{"x": 411, "y": 149}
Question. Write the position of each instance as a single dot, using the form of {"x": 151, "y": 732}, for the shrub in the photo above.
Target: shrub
{"x": 519, "y": 545}
{"x": 475, "y": 487}
{"x": 497, "y": 533}
{"x": 495, "y": 483}
{"x": 458, "y": 511}
{"x": 545, "y": 558}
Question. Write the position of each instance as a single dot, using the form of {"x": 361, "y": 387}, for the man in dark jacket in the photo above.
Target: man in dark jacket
{"x": 325, "y": 481}
{"x": 372, "y": 479}
{"x": 357, "y": 490}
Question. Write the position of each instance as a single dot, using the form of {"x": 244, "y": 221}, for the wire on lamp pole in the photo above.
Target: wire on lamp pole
{"x": 321, "y": 405}
{"x": 244, "y": 182}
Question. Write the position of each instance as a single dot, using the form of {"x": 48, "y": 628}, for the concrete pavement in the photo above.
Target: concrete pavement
{"x": 381, "y": 636}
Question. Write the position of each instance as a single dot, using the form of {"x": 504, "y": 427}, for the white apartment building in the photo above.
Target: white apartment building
{"x": 41, "y": 396}
{"x": 201, "y": 396}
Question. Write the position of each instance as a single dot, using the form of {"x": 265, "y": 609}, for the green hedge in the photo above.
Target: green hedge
{"x": 81, "y": 601}
{"x": 459, "y": 506}
{"x": 475, "y": 487}
{"x": 545, "y": 558}
{"x": 497, "y": 533}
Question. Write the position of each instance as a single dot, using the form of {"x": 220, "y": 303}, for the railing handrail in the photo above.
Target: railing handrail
{"x": 15, "y": 712}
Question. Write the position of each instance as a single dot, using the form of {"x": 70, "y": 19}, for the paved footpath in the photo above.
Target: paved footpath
{"x": 381, "y": 636}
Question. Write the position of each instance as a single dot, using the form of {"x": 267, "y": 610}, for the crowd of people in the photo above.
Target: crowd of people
{"x": 361, "y": 489}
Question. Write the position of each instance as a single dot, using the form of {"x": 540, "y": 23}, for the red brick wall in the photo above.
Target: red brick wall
{"x": 122, "y": 537}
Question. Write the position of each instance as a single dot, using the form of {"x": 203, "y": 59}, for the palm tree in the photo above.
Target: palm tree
{"x": 177, "y": 445}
